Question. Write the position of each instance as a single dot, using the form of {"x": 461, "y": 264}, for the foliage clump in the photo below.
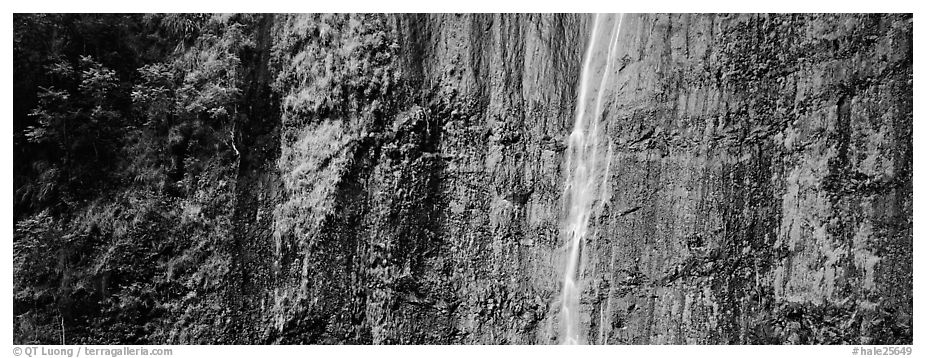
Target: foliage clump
{"x": 125, "y": 173}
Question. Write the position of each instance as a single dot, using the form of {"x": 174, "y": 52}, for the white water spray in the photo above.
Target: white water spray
{"x": 585, "y": 181}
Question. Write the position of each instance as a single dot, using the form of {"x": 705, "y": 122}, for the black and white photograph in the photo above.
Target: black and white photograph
{"x": 461, "y": 178}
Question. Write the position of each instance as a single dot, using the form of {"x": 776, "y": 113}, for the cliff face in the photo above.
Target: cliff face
{"x": 400, "y": 179}
{"x": 760, "y": 184}
{"x": 430, "y": 213}
{"x": 770, "y": 157}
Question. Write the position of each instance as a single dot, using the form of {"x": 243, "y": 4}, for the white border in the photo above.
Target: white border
{"x": 479, "y": 6}
{"x": 462, "y": 6}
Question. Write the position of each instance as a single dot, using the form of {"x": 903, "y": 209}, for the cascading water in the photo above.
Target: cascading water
{"x": 584, "y": 179}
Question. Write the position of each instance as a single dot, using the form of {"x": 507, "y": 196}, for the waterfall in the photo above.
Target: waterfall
{"x": 585, "y": 180}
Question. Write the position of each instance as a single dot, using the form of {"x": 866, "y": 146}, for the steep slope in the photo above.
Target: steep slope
{"x": 770, "y": 158}
{"x": 400, "y": 178}
{"x": 760, "y": 182}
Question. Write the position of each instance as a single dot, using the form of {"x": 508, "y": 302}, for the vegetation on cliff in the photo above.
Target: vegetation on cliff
{"x": 386, "y": 178}
{"x": 125, "y": 166}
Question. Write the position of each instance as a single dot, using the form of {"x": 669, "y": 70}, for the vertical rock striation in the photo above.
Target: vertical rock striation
{"x": 760, "y": 189}
{"x": 401, "y": 178}
{"x": 433, "y": 209}
{"x": 766, "y": 161}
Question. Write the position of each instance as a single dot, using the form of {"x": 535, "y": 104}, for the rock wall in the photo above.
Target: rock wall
{"x": 760, "y": 183}
{"x": 770, "y": 158}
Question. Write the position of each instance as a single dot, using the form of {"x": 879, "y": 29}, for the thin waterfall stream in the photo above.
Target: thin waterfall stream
{"x": 585, "y": 180}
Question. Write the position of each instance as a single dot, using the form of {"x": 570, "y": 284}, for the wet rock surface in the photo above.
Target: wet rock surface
{"x": 400, "y": 179}
{"x": 760, "y": 189}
